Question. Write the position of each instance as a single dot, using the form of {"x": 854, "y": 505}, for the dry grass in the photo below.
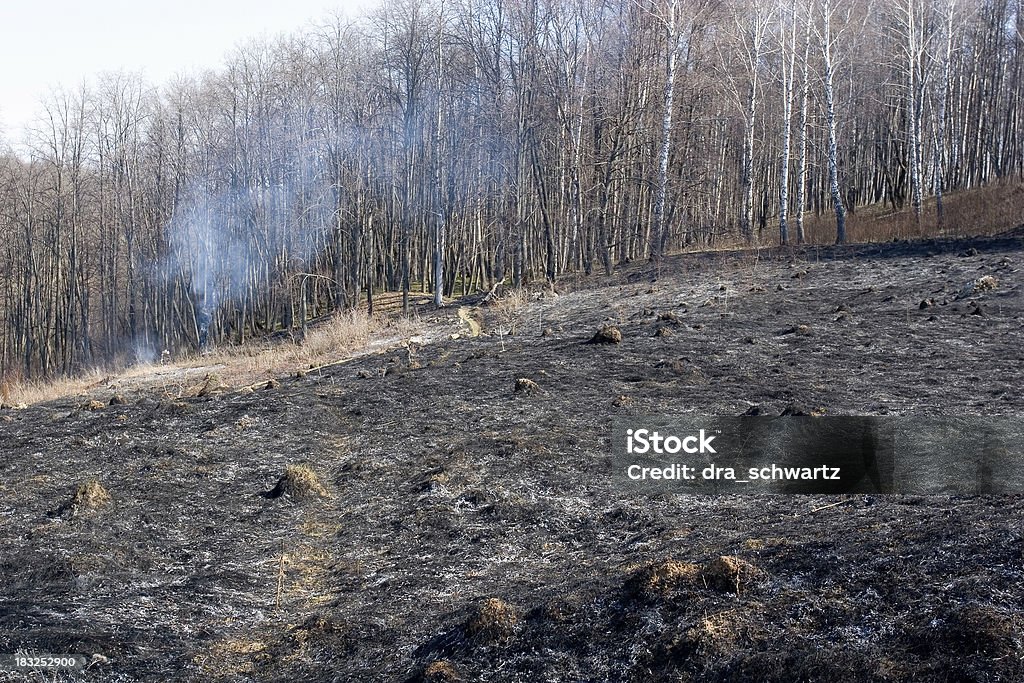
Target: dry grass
{"x": 298, "y": 481}
{"x": 339, "y": 337}
{"x": 18, "y": 393}
{"x": 440, "y": 671}
{"x": 492, "y": 621}
{"x": 508, "y": 310}
{"x": 978, "y": 212}
{"x": 730, "y": 574}
{"x": 660, "y": 578}
{"x": 90, "y": 496}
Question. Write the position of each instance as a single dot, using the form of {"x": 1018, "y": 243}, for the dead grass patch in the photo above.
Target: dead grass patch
{"x": 232, "y": 656}
{"x": 607, "y": 334}
{"x": 527, "y": 386}
{"x": 91, "y": 495}
{"x": 730, "y": 574}
{"x": 300, "y": 482}
{"x": 16, "y": 392}
{"x": 492, "y": 621}
{"x": 440, "y": 671}
{"x": 976, "y": 212}
{"x": 658, "y": 579}
{"x": 254, "y": 364}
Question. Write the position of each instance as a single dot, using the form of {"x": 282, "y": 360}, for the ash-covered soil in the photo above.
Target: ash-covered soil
{"x": 437, "y": 524}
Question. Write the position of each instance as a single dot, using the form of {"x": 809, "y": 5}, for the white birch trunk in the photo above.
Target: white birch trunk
{"x": 913, "y": 121}
{"x": 659, "y": 238}
{"x": 788, "y": 78}
{"x": 830, "y": 111}
{"x": 801, "y": 187}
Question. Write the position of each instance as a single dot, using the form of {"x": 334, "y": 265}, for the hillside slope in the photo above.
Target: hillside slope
{"x": 467, "y": 531}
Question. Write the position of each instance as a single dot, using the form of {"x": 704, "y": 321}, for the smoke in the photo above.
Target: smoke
{"x": 226, "y": 246}
{"x": 145, "y": 353}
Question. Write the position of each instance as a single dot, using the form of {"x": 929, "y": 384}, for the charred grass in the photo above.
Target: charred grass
{"x": 435, "y": 524}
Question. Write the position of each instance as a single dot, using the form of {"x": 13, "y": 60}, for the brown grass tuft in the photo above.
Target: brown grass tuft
{"x": 213, "y": 384}
{"x": 492, "y": 621}
{"x": 91, "y": 496}
{"x": 440, "y": 671}
{"x": 661, "y": 578}
{"x": 607, "y": 334}
{"x": 298, "y": 481}
{"x": 730, "y": 574}
{"x": 527, "y": 386}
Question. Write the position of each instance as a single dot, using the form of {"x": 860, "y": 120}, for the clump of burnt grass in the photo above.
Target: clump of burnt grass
{"x": 729, "y": 574}
{"x": 492, "y": 621}
{"x": 527, "y": 386}
{"x": 299, "y": 482}
{"x": 440, "y": 671}
{"x": 89, "y": 496}
{"x": 661, "y": 578}
{"x": 724, "y": 574}
{"x": 607, "y": 334}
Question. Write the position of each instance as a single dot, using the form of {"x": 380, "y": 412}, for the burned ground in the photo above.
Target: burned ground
{"x": 457, "y": 528}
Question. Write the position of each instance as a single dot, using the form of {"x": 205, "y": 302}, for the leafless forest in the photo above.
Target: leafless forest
{"x": 449, "y": 146}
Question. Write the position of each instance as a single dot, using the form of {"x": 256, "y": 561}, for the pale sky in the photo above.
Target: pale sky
{"x": 46, "y": 43}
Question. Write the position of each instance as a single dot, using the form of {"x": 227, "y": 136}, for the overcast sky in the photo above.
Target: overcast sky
{"x": 45, "y": 43}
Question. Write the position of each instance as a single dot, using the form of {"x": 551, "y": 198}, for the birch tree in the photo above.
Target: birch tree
{"x": 828, "y": 39}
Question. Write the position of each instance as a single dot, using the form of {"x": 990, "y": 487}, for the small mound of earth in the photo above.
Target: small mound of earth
{"x": 298, "y": 481}
{"x": 669, "y": 317}
{"x": 91, "y": 495}
{"x": 798, "y": 410}
{"x": 683, "y": 369}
